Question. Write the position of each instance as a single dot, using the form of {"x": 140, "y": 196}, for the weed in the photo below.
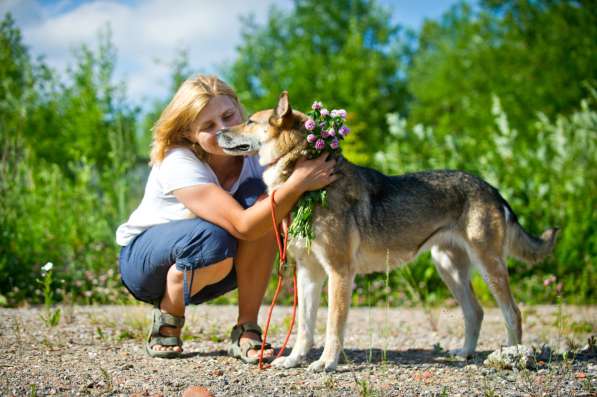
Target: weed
{"x": 592, "y": 344}
{"x": 363, "y": 386}
{"x": 108, "y": 380}
{"x": 489, "y": 391}
{"x": 100, "y": 334}
{"x": 329, "y": 382}
{"x": 51, "y": 317}
{"x": 438, "y": 349}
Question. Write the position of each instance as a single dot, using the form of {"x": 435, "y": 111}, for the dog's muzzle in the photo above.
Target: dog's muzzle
{"x": 232, "y": 143}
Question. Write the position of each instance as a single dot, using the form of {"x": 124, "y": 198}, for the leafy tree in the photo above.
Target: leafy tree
{"x": 533, "y": 55}
{"x": 346, "y": 53}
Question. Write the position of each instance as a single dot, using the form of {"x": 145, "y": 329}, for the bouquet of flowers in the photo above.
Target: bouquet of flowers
{"x": 326, "y": 130}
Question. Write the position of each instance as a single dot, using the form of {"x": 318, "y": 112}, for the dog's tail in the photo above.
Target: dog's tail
{"x": 525, "y": 246}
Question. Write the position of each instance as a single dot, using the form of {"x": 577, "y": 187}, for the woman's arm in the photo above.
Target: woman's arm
{"x": 215, "y": 205}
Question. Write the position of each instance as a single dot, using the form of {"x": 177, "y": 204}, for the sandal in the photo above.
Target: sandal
{"x": 238, "y": 350}
{"x": 161, "y": 319}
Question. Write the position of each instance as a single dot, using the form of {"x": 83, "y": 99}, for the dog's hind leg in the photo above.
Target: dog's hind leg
{"x": 495, "y": 274}
{"x": 486, "y": 242}
{"x": 339, "y": 293}
{"x": 310, "y": 279}
{"x": 454, "y": 267}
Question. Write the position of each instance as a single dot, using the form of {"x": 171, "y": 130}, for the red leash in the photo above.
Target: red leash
{"x": 282, "y": 250}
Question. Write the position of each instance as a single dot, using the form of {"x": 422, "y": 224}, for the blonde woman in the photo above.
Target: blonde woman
{"x": 201, "y": 229}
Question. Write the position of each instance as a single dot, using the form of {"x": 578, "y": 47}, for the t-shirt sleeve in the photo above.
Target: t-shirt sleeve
{"x": 180, "y": 168}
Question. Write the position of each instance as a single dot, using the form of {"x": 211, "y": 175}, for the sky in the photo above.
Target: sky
{"x": 148, "y": 34}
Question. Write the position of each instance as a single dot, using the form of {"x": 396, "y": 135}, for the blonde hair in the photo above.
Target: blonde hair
{"x": 182, "y": 111}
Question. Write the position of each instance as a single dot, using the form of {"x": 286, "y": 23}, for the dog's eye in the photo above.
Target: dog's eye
{"x": 250, "y": 122}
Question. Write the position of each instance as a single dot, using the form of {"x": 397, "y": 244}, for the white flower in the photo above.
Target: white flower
{"x": 47, "y": 267}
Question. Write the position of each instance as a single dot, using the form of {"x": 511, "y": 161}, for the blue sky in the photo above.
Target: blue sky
{"x": 148, "y": 33}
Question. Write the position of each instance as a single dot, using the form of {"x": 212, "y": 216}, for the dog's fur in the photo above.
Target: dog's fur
{"x": 373, "y": 219}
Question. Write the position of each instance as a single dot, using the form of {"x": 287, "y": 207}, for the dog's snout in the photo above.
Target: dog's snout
{"x": 221, "y": 134}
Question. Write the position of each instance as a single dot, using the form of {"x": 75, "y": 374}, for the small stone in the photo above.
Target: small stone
{"x": 196, "y": 391}
{"x": 581, "y": 375}
{"x": 512, "y": 357}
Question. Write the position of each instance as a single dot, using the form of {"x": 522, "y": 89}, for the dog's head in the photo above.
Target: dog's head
{"x": 272, "y": 133}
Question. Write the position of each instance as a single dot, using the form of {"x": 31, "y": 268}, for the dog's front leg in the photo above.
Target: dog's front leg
{"x": 310, "y": 278}
{"x": 339, "y": 294}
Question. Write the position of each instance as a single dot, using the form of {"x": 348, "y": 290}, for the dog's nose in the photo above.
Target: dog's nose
{"x": 221, "y": 135}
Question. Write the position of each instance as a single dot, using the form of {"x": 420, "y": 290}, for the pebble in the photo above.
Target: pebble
{"x": 196, "y": 391}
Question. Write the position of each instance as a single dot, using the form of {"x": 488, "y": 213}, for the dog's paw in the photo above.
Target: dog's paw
{"x": 461, "y": 353}
{"x": 322, "y": 365}
{"x": 286, "y": 362}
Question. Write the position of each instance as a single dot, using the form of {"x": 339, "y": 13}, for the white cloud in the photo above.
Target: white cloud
{"x": 142, "y": 32}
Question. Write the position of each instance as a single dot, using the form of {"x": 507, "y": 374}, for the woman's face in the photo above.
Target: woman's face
{"x": 220, "y": 112}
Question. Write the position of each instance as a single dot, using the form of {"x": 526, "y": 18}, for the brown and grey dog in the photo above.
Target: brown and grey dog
{"x": 373, "y": 218}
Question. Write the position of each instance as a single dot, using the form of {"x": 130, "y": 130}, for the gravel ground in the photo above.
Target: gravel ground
{"x": 98, "y": 350}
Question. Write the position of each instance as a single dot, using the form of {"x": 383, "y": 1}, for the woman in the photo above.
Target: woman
{"x": 201, "y": 230}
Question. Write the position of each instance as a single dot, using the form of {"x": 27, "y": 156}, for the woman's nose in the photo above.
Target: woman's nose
{"x": 219, "y": 124}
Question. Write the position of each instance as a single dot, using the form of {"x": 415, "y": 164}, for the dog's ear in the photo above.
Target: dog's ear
{"x": 283, "y": 111}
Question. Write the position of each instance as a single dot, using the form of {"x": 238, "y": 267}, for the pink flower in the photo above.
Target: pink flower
{"x": 335, "y": 144}
{"x": 324, "y": 112}
{"x": 324, "y": 134}
{"x": 549, "y": 280}
{"x": 320, "y": 144}
{"x": 334, "y": 113}
{"x": 331, "y": 132}
{"x": 310, "y": 124}
{"x": 311, "y": 138}
{"x": 344, "y": 130}
{"x": 316, "y": 105}
{"x": 341, "y": 113}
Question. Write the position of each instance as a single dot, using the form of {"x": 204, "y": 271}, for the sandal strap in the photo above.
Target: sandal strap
{"x": 252, "y": 344}
{"x": 240, "y": 329}
{"x": 164, "y": 341}
{"x": 161, "y": 319}
{"x": 169, "y": 320}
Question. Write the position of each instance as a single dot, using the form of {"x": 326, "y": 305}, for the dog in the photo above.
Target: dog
{"x": 372, "y": 219}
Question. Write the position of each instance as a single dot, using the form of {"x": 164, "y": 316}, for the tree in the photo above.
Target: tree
{"x": 533, "y": 55}
{"x": 346, "y": 53}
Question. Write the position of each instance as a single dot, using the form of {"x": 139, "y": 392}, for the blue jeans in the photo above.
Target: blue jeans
{"x": 188, "y": 244}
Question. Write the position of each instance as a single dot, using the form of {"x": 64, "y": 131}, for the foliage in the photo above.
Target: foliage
{"x": 504, "y": 90}
{"x": 64, "y": 161}
{"x": 346, "y": 52}
{"x": 533, "y": 55}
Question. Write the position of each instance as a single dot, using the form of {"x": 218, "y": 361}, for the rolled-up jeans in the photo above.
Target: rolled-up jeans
{"x": 188, "y": 244}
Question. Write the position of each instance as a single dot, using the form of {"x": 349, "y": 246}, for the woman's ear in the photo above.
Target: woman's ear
{"x": 283, "y": 111}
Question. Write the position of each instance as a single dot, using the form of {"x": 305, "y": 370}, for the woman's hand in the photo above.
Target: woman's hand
{"x": 313, "y": 174}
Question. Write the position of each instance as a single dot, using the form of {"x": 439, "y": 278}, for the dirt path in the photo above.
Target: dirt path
{"x": 99, "y": 351}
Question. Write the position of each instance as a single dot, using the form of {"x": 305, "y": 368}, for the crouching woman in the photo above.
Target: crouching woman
{"x": 201, "y": 229}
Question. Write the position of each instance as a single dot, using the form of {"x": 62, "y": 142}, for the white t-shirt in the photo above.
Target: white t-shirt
{"x": 180, "y": 168}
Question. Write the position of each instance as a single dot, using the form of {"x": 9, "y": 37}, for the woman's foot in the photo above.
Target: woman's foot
{"x": 245, "y": 343}
{"x": 168, "y": 331}
{"x": 164, "y": 338}
{"x": 247, "y": 337}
